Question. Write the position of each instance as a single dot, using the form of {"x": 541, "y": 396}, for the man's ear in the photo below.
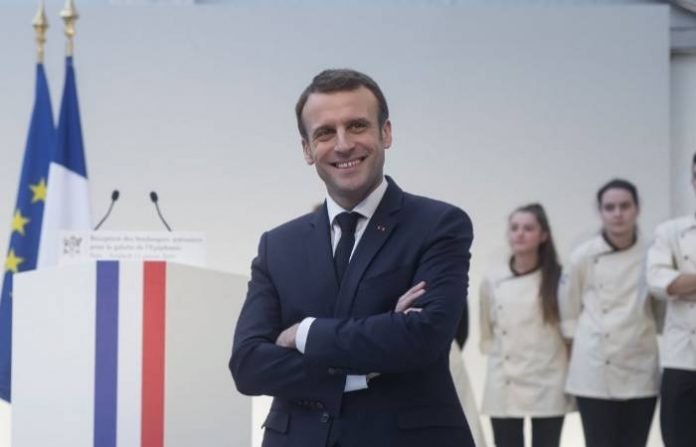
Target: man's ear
{"x": 307, "y": 151}
{"x": 386, "y": 133}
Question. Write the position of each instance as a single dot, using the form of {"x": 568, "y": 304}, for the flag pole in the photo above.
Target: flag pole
{"x": 69, "y": 15}
{"x": 40, "y": 24}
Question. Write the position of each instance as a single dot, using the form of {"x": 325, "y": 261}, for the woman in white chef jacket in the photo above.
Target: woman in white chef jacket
{"x": 527, "y": 357}
{"x": 607, "y": 313}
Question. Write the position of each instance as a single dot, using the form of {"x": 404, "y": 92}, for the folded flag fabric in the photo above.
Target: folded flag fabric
{"x": 27, "y": 216}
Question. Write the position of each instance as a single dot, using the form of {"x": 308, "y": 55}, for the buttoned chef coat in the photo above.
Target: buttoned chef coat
{"x": 527, "y": 358}
{"x": 674, "y": 252}
{"x": 606, "y": 310}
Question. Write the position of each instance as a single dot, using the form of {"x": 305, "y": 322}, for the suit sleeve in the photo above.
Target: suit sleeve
{"x": 570, "y": 292}
{"x": 398, "y": 342}
{"x": 258, "y": 365}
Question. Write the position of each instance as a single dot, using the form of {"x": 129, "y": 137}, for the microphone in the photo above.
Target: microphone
{"x": 155, "y": 199}
{"x": 114, "y": 197}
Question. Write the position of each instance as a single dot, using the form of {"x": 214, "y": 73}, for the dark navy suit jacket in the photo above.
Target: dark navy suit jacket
{"x": 413, "y": 401}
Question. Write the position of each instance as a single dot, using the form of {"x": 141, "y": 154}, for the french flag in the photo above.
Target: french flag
{"x": 67, "y": 200}
{"x": 126, "y": 354}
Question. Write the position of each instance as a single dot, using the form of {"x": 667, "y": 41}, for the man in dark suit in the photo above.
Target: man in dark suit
{"x": 351, "y": 309}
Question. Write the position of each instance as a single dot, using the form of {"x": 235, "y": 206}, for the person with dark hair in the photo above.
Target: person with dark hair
{"x": 527, "y": 358}
{"x": 607, "y": 314}
{"x": 671, "y": 276}
{"x": 337, "y": 81}
{"x": 351, "y": 309}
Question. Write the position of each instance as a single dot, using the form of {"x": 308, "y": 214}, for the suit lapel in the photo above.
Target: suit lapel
{"x": 320, "y": 258}
{"x": 378, "y": 230}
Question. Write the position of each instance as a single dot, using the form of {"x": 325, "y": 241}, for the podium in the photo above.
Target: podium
{"x": 126, "y": 354}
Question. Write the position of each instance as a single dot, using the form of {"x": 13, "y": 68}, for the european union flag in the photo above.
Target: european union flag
{"x": 27, "y": 216}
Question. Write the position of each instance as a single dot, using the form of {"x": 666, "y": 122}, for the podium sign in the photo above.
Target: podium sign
{"x": 126, "y": 354}
{"x": 180, "y": 247}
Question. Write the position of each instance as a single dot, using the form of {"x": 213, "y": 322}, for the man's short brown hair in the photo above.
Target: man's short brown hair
{"x": 341, "y": 80}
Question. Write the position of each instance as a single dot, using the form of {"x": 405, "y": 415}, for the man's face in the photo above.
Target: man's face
{"x": 345, "y": 143}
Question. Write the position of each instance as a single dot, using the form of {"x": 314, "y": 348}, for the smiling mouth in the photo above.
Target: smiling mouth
{"x": 348, "y": 164}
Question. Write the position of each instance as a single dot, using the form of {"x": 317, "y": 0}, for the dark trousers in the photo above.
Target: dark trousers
{"x": 616, "y": 423}
{"x": 509, "y": 432}
{"x": 678, "y": 407}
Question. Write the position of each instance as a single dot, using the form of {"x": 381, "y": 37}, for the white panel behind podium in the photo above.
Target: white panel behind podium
{"x": 129, "y": 354}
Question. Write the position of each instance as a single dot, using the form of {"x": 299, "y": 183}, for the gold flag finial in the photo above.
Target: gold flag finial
{"x": 40, "y": 24}
{"x": 69, "y": 15}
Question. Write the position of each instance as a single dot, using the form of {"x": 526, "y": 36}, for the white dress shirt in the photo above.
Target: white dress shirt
{"x": 366, "y": 209}
{"x": 674, "y": 252}
{"x": 527, "y": 358}
{"x": 607, "y": 311}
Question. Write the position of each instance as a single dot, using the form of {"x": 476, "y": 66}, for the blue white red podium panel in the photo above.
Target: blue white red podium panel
{"x": 126, "y": 354}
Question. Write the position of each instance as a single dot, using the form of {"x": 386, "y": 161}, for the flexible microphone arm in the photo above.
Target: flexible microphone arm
{"x": 155, "y": 199}
{"x": 114, "y": 197}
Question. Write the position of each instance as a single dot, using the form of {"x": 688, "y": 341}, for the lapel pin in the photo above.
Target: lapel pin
{"x": 381, "y": 228}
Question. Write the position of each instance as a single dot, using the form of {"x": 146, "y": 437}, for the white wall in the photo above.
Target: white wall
{"x": 492, "y": 108}
{"x": 683, "y": 132}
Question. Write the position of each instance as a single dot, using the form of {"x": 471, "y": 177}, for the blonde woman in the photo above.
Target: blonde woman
{"x": 527, "y": 357}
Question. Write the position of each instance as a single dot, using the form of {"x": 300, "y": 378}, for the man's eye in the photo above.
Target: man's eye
{"x": 323, "y": 135}
{"x": 358, "y": 126}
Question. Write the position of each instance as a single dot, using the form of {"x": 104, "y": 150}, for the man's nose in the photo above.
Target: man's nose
{"x": 344, "y": 141}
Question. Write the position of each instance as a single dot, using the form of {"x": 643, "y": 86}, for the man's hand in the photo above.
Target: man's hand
{"x": 403, "y": 305}
{"x": 286, "y": 339}
{"x": 406, "y": 300}
{"x": 683, "y": 285}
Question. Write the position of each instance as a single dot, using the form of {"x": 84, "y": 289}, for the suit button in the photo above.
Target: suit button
{"x": 332, "y": 371}
{"x": 324, "y": 417}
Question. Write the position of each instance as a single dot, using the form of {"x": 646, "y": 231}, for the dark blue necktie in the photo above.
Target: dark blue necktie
{"x": 347, "y": 222}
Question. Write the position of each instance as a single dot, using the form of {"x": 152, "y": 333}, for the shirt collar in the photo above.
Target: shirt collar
{"x": 515, "y": 273}
{"x": 614, "y": 247}
{"x": 366, "y": 208}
